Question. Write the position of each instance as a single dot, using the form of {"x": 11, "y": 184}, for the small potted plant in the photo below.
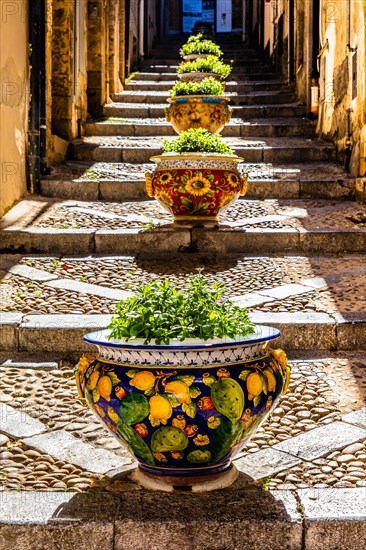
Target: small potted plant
{"x": 199, "y": 47}
{"x": 201, "y": 68}
{"x": 182, "y": 379}
{"x": 198, "y": 105}
{"x": 196, "y": 177}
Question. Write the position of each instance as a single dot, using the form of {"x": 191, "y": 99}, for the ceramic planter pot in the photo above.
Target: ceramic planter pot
{"x": 197, "y": 76}
{"x": 188, "y": 408}
{"x": 198, "y": 111}
{"x": 196, "y": 186}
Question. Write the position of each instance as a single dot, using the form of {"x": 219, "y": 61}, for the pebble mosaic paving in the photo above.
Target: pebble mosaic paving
{"x": 25, "y": 290}
{"x": 244, "y": 214}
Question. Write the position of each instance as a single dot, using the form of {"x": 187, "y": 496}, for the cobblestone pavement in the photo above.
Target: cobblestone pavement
{"x": 71, "y": 285}
{"x": 245, "y": 214}
{"x": 323, "y": 389}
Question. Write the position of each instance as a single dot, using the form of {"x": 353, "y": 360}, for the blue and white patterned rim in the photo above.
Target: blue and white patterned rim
{"x": 192, "y": 353}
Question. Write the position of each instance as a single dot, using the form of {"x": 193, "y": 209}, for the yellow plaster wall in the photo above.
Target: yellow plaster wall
{"x": 14, "y": 99}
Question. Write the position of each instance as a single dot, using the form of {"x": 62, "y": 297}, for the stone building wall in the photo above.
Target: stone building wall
{"x": 342, "y": 79}
{"x": 14, "y": 101}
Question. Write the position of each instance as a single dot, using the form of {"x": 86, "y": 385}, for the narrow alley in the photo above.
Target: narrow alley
{"x": 79, "y": 233}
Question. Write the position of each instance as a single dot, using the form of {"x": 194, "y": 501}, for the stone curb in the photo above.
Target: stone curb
{"x": 63, "y": 332}
{"x": 169, "y": 239}
{"x": 238, "y": 517}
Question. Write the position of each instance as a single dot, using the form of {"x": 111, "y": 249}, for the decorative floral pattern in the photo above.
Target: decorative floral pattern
{"x": 177, "y": 421}
{"x": 195, "y": 193}
{"x": 195, "y": 111}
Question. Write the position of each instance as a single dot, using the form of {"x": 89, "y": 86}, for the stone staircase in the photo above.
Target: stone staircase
{"x": 292, "y": 250}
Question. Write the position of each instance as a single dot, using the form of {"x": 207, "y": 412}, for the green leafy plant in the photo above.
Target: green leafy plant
{"x": 198, "y": 44}
{"x": 160, "y": 312}
{"x": 208, "y": 86}
{"x": 208, "y": 64}
{"x": 196, "y": 140}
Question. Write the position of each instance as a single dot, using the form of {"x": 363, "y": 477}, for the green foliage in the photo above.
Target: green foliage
{"x": 198, "y": 44}
{"x": 196, "y": 140}
{"x": 208, "y": 86}
{"x": 210, "y": 64}
{"x": 159, "y": 312}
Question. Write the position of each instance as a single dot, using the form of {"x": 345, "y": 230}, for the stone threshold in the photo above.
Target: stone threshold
{"x": 171, "y": 239}
{"x": 241, "y": 516}
{"x": 62, "y": 333}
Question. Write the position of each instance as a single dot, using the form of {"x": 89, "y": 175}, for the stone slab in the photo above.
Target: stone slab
{"x": 265, "y": 462}
{"x": 32, "y": 273}
{"x": 229, "y": 519}
{"x": 86, "y": 288}
{"x": 59, "y": 333}
{"x": 351, "y": 330}
{"x": 65, "y": 189}
{"x": 9, "y": 323}
{"x": 282, "y": 292}
{"x": 137, "y": 241}
{"x": 48, "y": 241}
{"x": 237, "y": 517}
{"x": 356, "y": 417}
{"x": 66, "y": 535}
{"x": 334, "y": 518}
{"x": 63, "y": 446}
{"x": 300, "y": 330}
{"x": 320, "y": 441}
{"x": 17, "y": 423}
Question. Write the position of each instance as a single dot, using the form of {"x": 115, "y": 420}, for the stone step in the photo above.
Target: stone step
{"x": 240, "y": 78}
{"x": 147, "y": 93}
{"x": 126, "y": 182}
{"x": 140, "y": 149}
{"x": 286, "y": 127}
{"x": 152, "y": 110}
{"x": 291, "y": 226}
{"x": 303, "y": 518}
{"x": 257, "y": 74}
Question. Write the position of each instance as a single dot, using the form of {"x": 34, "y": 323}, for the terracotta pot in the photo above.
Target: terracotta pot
{"x": 196, "y": 186}
{"x": 198, "y": 111}
{"x": 187, "y": 408}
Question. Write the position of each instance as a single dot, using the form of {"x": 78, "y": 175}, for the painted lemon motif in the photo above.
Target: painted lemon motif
{"x": 160, "y": 408}
{"x": 93, "y": 380}
{"x": 271, "y": 379}
{"x": 105, "y": 387}
{"x": 254, "y": 385}
{"x": 180, "y": 390}
{"x": 143, "y": 380}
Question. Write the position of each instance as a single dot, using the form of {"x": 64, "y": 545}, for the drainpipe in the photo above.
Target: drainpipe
{"x": 37, "y": 155}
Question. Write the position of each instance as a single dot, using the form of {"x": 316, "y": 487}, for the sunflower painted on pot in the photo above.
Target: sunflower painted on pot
{"x": 197, "y": 177}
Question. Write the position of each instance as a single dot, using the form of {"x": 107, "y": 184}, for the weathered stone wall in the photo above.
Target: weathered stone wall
{"x": 67, "y": 60}
{"x": 97, "y": 63}
{"x": 14, "y": 100}
{"x": 342, "y": 79}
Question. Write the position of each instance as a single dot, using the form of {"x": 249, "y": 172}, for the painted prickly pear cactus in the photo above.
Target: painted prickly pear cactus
{"x": 187, "y": 418}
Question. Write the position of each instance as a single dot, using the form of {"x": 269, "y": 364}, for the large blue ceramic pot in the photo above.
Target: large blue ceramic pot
{"x": 187, "y": 408}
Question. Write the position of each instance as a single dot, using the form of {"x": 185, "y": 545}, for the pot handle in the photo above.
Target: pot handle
{"x": 244, "y": 184}
{"x": 167, "y": 114}
{"x": 79, "y": 373}
{"x": 149, "y": 184}
{"x": 280, "y": 356}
